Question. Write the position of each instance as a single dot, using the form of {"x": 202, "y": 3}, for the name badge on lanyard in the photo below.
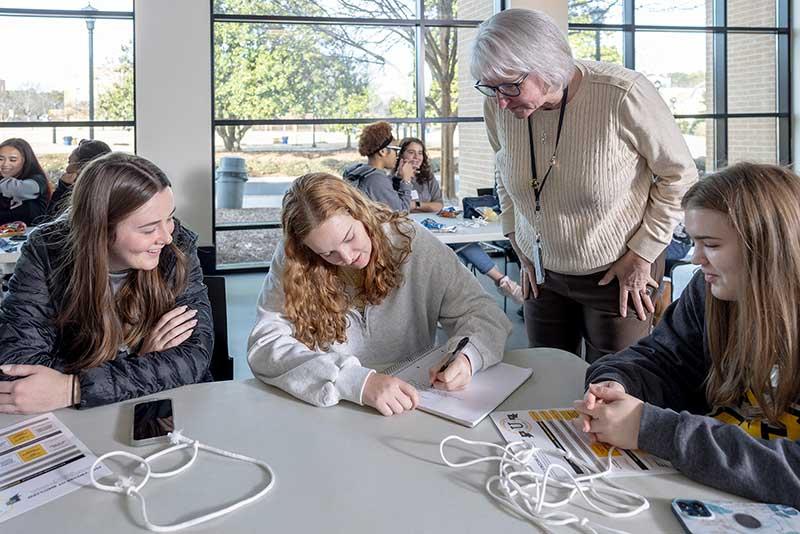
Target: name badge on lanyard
{"x": 538, "y": 264}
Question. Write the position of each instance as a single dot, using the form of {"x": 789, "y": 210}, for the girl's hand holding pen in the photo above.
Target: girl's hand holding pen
{"x": 455, "y": 376}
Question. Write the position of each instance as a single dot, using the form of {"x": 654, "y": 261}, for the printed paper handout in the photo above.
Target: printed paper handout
{"x": 40, "y": 460}
{"x": 555, "y": 429}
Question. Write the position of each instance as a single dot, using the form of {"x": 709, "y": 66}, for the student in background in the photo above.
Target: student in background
{"x": 715, "y": 389}
{"x": 24, "y": 189}
{"x": 356, "y": 287}
{"x": 375, "y": 178}
{"x": 108, "y": 303}
{"x": 427, "y": 198}
{"x": 86, "y": 151}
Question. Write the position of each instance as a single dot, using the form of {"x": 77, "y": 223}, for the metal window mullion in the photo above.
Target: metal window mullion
{"x": 419, "y": 74}
{"x": 784, "y": 99}
{"x": 629, "y": 36}
{"x": 720, "y": 69}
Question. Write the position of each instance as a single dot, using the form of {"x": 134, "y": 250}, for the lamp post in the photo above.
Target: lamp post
{"x": 90, "y": 10}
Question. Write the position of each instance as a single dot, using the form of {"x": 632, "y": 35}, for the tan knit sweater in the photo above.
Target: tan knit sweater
{"x": 601, "y": 199}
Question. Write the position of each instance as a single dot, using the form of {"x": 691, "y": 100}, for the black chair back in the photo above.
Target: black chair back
{"x": 221, "y": 362}
{"x": 485, "y": 191}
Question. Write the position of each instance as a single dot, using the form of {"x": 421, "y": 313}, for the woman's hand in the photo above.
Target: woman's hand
{"x": 389, "y": 395}
{"x": 615, "y": 418}
{"x": 457, "y": 375}
{"x": 527, "y": 274}
{"x": 406, "y": 171}
{"x": 590, "y": 400}
{"x": 633, "y": 273}
{"x": 174, "y": 327}
{"x": 40, "y": 389}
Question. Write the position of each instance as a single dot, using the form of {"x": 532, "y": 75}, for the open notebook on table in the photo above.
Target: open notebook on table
{"x": 467, "y": 407}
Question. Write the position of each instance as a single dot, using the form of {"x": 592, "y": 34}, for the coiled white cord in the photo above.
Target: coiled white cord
{"x": 519, "y": 486}
{"x": 127, "y": 486}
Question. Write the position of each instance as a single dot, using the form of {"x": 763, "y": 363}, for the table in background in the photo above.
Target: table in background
{"x": 493, "y": 231}
{"x": 341, "y": 469}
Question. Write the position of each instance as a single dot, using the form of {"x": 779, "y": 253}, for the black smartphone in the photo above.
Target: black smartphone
{"x": 152, "y": 421}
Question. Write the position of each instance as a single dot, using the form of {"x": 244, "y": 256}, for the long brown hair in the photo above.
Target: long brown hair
{"x": 761, "y": 329}
{"x": 424, "y": 173}
{"x": 316, "y": 301}
{"x": 109, "y": 189}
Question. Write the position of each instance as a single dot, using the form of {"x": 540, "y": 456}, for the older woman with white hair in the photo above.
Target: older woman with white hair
{"x": 592, "y": 168}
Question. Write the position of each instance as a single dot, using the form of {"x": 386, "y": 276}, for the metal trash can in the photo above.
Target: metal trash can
{"x": 231, "y": 176}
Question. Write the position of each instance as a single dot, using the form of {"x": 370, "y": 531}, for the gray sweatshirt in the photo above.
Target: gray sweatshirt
{"x": 436, "y": 287}
{"x": 378, "y": 186}
{"x": 667, "y": 370}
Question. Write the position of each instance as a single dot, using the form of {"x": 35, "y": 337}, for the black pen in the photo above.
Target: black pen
{"x": 461, "y": 345}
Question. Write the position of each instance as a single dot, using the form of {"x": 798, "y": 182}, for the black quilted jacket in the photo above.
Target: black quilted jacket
{"x": 29, "y": 335}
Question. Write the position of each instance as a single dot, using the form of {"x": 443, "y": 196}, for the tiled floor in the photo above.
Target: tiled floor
{"x": 243, "y": 290}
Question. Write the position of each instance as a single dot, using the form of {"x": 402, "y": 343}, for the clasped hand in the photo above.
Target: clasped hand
{"x": 610, "y": 415}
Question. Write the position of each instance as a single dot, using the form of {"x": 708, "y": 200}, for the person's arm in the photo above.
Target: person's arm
{"x": 28, "y": 189}
{"x": 188, "y": 363}
{"x": 435, "y": 203}
{"x": 723, "y": 456}
{"x": 667, "y": 368}
{"x": 648, "y": 125}
{"x": 466, "y": 310}
{"x": 58, "y": 200}
{"x": 277, "y": 358}
{"x": 506, "y": 203}
{"x": 380, "y": 189}
{"x": 28, "y": 334}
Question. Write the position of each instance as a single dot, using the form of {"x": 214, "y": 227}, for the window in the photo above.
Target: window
{"x": 295, "y": 81}
{"x": 721, "y": 66}
{"x": 70, "y": 78}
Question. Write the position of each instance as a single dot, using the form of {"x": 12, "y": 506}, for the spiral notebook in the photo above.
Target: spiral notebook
{"x": 467, "y": 407}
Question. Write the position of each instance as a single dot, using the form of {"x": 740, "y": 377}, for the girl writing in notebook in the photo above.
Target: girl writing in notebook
{"x": 715, "y": 389}
{"x": 356, "y": 287}
{"x": 107, "y": 303}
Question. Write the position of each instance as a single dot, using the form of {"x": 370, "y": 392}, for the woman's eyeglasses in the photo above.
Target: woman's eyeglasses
{"x": 505, "y": 89}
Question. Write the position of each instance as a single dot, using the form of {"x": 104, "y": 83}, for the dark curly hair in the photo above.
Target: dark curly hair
{"x": 374, "y": 137}
{"x": 424, "y": 173}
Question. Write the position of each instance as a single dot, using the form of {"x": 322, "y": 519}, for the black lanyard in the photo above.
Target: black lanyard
{"x": 537, "y": 189}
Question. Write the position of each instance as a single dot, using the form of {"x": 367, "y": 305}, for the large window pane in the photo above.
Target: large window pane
{"x": 679, "y": 66}
{"x": 384, "y": 9}
{"x": 461, "y": 157}
{"x": 246, "y": 248}
{"x": 274, "y": 71}
{"x": 674, "y": 12}
{"x": 50, "y": 81}
{"x": 752, "y": 73}
{"x": 597, "y": 45}
{"x": 752, "y": 140}
{"x": 102, "y": 5}
{"x": 455, "y": 9}
{"x": 699, "y": 137}
{"x": 52, "y": 146}
{"x": 595, "y": 11}
{"x": 752, "y": 13}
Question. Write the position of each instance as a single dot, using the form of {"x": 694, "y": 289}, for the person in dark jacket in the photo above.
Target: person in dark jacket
{"x": 715, "y": 389}
{"x": 86, "y": 151}
{"x": 108, "y": 302}
{"x": 24, "y": 188}
{"x": 376, "y": 178}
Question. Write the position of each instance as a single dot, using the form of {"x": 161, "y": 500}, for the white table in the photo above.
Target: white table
{"x": 491, "y": 232}
{"x": 344, "y": 469}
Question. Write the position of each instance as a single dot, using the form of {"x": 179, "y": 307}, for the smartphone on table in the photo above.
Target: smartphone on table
{"x": 710, "y": 517}
{"x": 153, "y": 420}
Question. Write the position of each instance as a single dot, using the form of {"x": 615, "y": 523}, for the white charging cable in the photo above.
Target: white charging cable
{"x": 127, "y": 486}
{"x": 522, "y": 488}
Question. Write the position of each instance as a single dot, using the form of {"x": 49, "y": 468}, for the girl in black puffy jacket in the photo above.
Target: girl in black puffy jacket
{"x": 107, "y": 303}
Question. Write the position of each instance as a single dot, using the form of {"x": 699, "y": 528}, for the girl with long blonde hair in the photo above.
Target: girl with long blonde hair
{"x": 715, "y": 388}
{"x": 108, "y": 302}
{"x": 355, "y": 287}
